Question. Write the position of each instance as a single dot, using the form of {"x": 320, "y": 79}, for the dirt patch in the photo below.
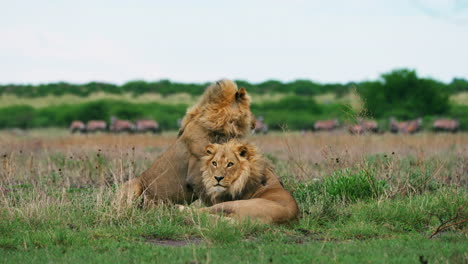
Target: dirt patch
{"x": 173, "y": 242}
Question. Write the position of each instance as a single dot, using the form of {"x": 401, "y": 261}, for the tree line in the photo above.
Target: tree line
{"x": 167, "y": 87}
{"x": 399, "y": 93}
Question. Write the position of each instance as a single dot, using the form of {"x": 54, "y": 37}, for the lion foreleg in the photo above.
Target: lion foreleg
{"x": 193, "y": 179}
{"x": 213, "y": 218}
{"x": 264, "y": 210}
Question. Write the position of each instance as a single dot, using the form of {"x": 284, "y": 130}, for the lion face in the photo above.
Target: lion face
{"x": 226, "y": 168}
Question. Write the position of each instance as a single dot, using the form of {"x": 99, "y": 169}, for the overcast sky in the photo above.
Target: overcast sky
{"x": 326, "y": 41}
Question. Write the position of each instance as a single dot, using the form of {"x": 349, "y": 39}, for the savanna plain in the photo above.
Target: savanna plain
{"x": 364, "y": 199}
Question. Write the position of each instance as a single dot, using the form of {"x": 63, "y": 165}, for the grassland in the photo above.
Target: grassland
{"x": 364, "y": 199}
{"x": 351, "y": 98}
{"x": 179, "y": 98}
{"x": 460, "y": 98}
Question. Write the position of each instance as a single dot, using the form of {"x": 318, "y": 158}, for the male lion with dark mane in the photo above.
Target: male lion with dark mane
{"x": 241, "y": 183}
{"x": 222, "y": 113}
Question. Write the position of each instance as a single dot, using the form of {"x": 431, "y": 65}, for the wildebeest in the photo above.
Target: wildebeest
{"x": 364, "y": 126}
{"x": 260, "y": 126}
{"x": 95, "y": 126}
{"x": 356, "y": 129}
{"x": 370, "y": 125}
{"x": 446, "y": 125}
{"x": 118, "y": 126}
{"x": 147, "y": 126}
{"x": 405, "y": 127}
{"x": 326, "y": 125}
{"x": 77, "y": 126}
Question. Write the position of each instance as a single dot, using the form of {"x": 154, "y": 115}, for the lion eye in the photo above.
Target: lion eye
{"x": 230, "y": 164}
{"x": 214, "y": 163}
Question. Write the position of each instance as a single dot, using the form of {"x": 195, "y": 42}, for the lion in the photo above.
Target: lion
{"x": 222, "y": 113}
{"x": 240, "y": 183}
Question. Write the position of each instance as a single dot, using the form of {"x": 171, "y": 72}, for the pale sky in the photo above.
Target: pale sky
{"x": 197, "y": 41}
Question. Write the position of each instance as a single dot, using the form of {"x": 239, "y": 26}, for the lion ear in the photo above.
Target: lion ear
{"x": 210, "y": 149}
{"x": 243, "y": 151}
{"x": 241, "y": 94}
{"x": 246, "y": 151}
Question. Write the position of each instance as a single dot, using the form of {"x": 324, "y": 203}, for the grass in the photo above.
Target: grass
{"x": 179, "y": 98}
{"x": 460, "y": 98}
{"x": 363, "y": 199}
{"x": 351, "y": 98}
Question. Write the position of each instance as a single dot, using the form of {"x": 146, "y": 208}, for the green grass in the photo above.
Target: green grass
{"x": 82, "y": 230}
{"x": 108, "y": 250}
{"x": 353, "y": 186}
{"x": 75, "y": 226}
{"x": 55, "y": 207}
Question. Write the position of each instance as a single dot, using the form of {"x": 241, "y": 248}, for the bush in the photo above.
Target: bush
{"x": 342, "y": 185}
{"x": 350, "y": 186}
{"x": 292, "y": 112}
{"x": 459, "y": 112}
{"x": 402, "y": 94}
{"x": 63, "y": 115}
{"x": 458, "y": 85}
{"x": 18, "y": 116}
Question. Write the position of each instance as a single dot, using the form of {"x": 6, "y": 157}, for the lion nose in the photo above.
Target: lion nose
{"x": 219, "y": 178}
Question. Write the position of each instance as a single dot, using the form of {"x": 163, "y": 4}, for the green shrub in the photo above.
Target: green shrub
{"x": 63, "y": 115}
{"x": 18, "y": 116}
{"x": 402, "y": 94}
{"x": 459, "y": 112}
{"x": 353, "y": 186}
{"x": 343, "y": 185}
{"x": 297, "y": 113}
{"x": 306, "y": 193}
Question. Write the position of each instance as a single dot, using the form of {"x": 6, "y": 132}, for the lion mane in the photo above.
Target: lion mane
{"x": 222, "y": 113}
{"x": 241, "y": 183}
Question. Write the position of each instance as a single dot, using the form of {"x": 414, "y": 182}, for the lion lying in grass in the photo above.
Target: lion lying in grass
{"x": 222, "y": 113}
{"x": 240, "y": 183}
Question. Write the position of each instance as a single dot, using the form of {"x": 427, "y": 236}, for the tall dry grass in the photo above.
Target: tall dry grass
{"x": 91, "y": 158}
{"x": 40, "y": 170}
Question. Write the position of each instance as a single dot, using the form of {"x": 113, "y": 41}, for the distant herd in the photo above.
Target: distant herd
{"x": 403, "y": 127}
{"x": 362, "y": 126}
{"x": 116, "y": 126}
